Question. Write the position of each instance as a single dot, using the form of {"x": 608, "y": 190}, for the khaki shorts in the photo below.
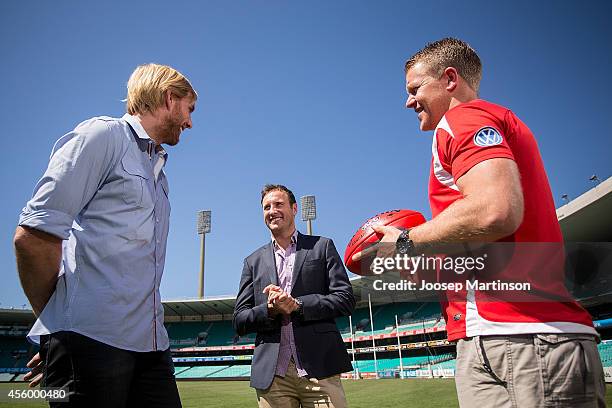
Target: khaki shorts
{"x": 533, "y": 370}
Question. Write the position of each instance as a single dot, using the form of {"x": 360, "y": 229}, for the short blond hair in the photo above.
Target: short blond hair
{"x": 148, "y": 84}
{"x": 450, "y": 52}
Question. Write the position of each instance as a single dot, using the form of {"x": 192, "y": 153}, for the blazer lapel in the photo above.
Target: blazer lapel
{"x": 300, "y": 256}
{"x": 270, "y": 264}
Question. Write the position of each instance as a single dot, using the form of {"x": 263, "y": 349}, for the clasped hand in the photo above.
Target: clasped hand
{"x": 279, "y": 301}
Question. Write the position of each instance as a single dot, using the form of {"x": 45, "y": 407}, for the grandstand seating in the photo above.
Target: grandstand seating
{"x": 14, "y": 350}
{"x": 394, "y": 363}
{"x": 403, "y": 327}
{"x": 221, "y": 333}
{"x": 452, "y": 364}
{"x": 428, "y": 310}
{"x": 605, "y": 352}
{"x": 408, "y": 314}
{"x": 213, "y": 371}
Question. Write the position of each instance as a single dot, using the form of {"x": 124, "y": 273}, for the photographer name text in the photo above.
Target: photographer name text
{"x": 406, "y": 285}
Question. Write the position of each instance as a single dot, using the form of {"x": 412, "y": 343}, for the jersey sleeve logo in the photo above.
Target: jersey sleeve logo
{"x": 487, "y": 136}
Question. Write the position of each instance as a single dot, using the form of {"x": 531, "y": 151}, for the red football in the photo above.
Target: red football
{"x": 365, "y": 235}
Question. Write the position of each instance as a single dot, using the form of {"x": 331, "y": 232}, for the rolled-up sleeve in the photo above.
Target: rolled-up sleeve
{"x": 80, "y": 162}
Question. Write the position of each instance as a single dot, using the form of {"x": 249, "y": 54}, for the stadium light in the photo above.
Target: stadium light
{"x": 595, "y": 179}
{"x": 203, "y": 227}
{"x": 309, "y": 211}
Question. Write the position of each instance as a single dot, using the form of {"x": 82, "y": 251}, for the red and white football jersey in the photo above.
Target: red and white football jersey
{"x": 467, "y": 135}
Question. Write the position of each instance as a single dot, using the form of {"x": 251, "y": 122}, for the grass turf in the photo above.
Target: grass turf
{"x": 414, "y": 393}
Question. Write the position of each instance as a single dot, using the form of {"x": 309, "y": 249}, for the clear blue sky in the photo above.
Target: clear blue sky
{"x": 308, "y": 94}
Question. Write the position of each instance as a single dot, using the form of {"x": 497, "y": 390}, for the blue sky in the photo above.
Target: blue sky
{"x": 308, "y": 94}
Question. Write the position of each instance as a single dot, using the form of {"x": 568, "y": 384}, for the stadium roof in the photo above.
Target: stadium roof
{"x": 588, "y": 218}
{"x": 23, "y": 317}
{"x": 222, "y": 307}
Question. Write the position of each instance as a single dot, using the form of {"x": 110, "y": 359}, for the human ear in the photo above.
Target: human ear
{"x": 168, "y": 98}
{"x": 452, "y": 78}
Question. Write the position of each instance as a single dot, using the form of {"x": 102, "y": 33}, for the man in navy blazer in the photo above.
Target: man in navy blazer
{"x": 291, "y": 290}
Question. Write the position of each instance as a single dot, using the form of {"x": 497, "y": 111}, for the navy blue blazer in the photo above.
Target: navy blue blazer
{"x": 321, "y": 283}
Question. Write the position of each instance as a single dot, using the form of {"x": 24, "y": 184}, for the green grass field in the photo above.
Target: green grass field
{"x": 360, "y": 394}
{"x": 416, "y": 393}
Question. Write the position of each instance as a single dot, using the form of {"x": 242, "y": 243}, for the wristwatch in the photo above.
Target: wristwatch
{"x": 300, "y": 310}
{"x": 404, "y": 245}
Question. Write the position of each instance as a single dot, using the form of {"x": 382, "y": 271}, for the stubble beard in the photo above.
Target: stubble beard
{"x": 171, "y": 129}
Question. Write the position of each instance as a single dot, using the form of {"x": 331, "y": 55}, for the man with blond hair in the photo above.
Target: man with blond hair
{"x": 91, "y": 246}
{"x": 488, "y": 186}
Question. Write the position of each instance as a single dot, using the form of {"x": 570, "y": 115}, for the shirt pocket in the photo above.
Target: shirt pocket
{"x": 134, "y": 190}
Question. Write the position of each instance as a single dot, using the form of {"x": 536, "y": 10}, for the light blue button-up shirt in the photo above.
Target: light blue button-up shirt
{"x": 105, "y": 196}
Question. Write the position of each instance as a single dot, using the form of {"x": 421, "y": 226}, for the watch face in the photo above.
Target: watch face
{"x": 403, "y": 244}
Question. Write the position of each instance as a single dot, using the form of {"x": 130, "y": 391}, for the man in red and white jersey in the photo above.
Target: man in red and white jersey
{"x": 488, "y": 184}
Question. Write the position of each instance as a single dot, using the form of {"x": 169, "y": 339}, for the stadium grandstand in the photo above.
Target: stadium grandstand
{"x": 15, "y": 351}
{"x": 401, "y": 335}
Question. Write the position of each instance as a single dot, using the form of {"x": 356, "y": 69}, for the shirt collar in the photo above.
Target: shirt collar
{"x": 142, "y": 133}
{"x": 135, "y": 123}
{"x": 293, "y": 239}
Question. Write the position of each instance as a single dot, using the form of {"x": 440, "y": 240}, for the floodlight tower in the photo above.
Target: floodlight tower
{"x": 309, "y": 211}
{"x": 595, "y": 179}
{"x": 203, "y": 229}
